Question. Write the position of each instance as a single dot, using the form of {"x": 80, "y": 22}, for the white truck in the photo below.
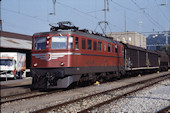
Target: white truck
{"x": 12, "y": 65}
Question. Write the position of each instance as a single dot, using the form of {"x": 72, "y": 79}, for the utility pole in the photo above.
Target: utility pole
{"x": 125, "y": 20}
{"x": 54, "y": 1}
{"x": 140, "y": 23}
{"x": 167, "y": 34}
{"x": 169, "y": 24}
{"x": 0, "y": 18}
{"x": 106, "y": 8}
{"x": 105, "y": 22}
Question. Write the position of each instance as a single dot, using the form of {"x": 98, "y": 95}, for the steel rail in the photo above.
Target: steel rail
{"x": 27, "y": 97}
{"x": 44, "y": 110}
{"x": 120, "y": 96}
{"x": 164, "y": 110}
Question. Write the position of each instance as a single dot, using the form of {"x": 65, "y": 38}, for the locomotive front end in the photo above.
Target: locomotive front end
{"x": 51, "y": 54}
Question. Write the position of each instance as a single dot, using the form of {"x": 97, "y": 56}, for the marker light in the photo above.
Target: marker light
{"x": 48, "y": 37}
{"x": 48, "y": 42}
{"x": 61, "y": 64}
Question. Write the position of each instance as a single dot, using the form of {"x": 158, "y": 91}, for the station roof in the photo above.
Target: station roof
{"x": 15, "y": 41}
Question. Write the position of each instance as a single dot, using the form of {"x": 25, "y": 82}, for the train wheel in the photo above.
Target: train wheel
{"x": 34, "y": 85}
{"x": 42, "y": 84}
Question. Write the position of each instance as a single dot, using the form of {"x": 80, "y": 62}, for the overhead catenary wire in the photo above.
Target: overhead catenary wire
{"x": 48, "y": 21}
{"x": 23, "y": 14}
{"x": 18, "y": 26}
{"x": 77, "y": 10}
{"x": 88, "y": 16}
{"x": 129, "y": 17}
{"x": 147, "y": 15}
{"x": 158, "y": 5}
{"x": 129, "y": 9}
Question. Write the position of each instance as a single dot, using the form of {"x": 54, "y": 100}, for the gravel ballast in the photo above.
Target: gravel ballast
{"x": 36, "y": 103}
{"x": 148, "y": 100}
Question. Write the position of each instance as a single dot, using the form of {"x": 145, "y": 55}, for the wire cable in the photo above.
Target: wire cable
{"x": 147, "y": 15}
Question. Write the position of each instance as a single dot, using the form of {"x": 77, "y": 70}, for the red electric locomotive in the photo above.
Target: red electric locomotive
{"x": 66, "y": 55}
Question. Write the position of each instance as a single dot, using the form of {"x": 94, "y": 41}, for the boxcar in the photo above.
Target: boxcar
{"x": 140, "y": 60}
{"x": 153, "y": 59}
{"x": 163, "y": 61}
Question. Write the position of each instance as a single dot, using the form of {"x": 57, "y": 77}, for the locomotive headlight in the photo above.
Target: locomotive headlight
{"x": 35, "y": 64}
{"x": 61, "y": 64}
{"x": 48, "y": 42}
{"x": 48, "y": 37}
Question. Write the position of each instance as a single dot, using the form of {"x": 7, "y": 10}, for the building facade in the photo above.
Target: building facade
{"x": 158, "y": 40}
{"x": 132, "y": 38}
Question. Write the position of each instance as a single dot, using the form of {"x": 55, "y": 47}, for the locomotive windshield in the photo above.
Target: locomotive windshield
{"x": 59, "y": 42}
{"x": 70, "y": 42}
{"x": 40, "y": 43}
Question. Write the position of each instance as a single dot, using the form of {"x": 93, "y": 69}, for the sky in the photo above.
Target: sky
{"x": 32, "y": 16}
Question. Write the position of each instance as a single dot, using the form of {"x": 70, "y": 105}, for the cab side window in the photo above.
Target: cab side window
{"x": 77, "y": 43}
{"x": 89, "y": 43}
{"x": 70, "y": 42}
{"x": 99, "y": 46}
{"x": 95, "y": 45}
{"x": 83, "y": 44}
{"x": 116, "y": 49}
{"x": 113, "y": 47}
{"x": 109, "y": 48}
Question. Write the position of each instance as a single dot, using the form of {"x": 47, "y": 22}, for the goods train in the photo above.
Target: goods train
{"x": 67, "y": 55}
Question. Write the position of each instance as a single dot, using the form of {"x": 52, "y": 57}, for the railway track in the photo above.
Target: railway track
{"x": 164, "y": 110}
{"x": 21, "y": 96}
{"x": 14, "y": 98}
{"x": 92, "y": 102}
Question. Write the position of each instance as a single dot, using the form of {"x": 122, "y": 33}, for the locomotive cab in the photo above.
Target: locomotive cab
{"x": 51, "y": 47}
{"x": 51, "y": 54}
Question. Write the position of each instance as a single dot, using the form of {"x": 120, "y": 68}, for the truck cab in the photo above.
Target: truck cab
{"x": 12, "y": 64}
{"x": 8, "y": 68}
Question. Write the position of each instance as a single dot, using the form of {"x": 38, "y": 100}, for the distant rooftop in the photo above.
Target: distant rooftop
{"x": 15, "y": 40}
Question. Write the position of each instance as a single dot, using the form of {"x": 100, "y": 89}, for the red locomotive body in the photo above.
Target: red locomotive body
{"x": 60, "y": 58}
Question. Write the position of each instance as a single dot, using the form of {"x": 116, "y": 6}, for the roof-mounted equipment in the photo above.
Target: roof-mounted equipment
{"x": 65, "y": 25}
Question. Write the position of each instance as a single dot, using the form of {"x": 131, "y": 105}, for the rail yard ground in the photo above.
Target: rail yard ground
{"x": 13, "y": 87}
{"x": 150, "y": 95}
{"x": 148, "y": 100}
